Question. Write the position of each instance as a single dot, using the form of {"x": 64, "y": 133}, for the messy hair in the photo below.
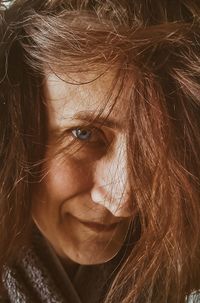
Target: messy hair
{"x": 155, "y": 47}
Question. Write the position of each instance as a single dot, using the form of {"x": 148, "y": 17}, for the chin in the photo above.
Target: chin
{"x": 93, "y": 255}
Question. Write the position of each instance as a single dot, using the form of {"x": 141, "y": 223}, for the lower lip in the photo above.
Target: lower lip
{"x": 98, "y": 227}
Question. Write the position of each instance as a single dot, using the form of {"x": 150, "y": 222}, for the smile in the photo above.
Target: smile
{"x": 98, "y": 227}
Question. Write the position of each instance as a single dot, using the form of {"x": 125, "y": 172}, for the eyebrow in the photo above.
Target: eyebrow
{"x": 103, "y": 120}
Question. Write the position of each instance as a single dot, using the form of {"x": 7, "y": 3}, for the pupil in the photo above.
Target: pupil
{"x": 83, "y": 134}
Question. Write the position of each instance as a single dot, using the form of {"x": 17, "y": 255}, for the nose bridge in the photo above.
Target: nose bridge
{"x": 111, "y": 180}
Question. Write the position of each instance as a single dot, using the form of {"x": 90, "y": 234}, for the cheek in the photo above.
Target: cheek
{"x": 59, "y": 182}
{"x": 63, "y": 180}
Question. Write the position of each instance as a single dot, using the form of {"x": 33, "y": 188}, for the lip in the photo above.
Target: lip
{"x": 98, "y": 227}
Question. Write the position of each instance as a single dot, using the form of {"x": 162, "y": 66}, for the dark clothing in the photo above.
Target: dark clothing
{"x": 40, "y": 277}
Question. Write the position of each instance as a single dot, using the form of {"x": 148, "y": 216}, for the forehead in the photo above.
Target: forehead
{"x": 92, "y": 93}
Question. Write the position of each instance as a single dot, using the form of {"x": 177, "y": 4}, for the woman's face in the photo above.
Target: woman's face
{"x": 82, "y": 202}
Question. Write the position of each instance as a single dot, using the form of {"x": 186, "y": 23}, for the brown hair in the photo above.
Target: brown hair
{"x": 156, "y": 46}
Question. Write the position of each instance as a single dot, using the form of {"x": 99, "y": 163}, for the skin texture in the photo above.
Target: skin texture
{"x": 89, "y": 184}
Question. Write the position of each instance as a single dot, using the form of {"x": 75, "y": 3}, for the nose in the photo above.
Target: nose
{"x": 111, "y": 188}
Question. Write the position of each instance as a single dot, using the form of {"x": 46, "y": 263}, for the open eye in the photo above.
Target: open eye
{"x": 83, "y": 134}
{"x": 89, "y": 135}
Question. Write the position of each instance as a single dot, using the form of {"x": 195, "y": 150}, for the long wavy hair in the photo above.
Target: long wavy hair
{"x": 155, "y": 47}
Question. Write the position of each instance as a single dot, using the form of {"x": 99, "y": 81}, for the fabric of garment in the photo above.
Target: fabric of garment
{"x": 40, "y": 277}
